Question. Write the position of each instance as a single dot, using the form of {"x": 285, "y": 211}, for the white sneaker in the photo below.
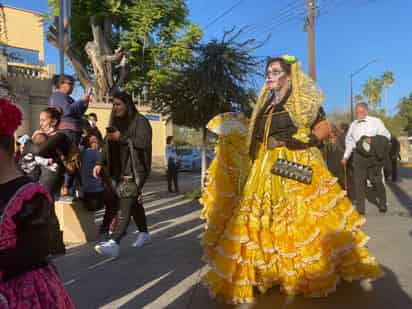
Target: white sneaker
{"x": 109, "y": 248}
{"x": 141, "y": 239}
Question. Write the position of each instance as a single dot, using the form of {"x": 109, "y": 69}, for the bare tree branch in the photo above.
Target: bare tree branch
{"x": 80, "y": 70}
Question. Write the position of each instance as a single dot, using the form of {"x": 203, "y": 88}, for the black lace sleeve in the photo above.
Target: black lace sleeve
{"x": 32, "y": 248}
{"x": 283, "y": 129}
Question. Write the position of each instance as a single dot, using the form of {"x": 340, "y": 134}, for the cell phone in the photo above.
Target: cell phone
{"x": 90, "y": 91}
{"x": 111, "y": 129}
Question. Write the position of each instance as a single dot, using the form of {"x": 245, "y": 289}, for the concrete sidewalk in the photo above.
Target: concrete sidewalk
{"x": 166, "y": 273}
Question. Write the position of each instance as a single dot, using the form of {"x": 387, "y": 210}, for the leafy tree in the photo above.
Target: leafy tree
{"x": 184, "y": 136}
{"x": 388, "y": 80}
{"x": 358, "y": 98}
{"x": 405, "y": 113}
{"x": 372, "y": 90}
{"x": 215, "y": 81}
{"x": 127, "y": 43}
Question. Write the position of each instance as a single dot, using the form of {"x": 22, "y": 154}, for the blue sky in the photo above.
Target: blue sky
{"x": 349, "y": 34}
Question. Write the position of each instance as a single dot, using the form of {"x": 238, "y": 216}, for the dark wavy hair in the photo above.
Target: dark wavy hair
{"x": 131, "y": 111}
{"x": 53, "y": 113}
{"x": 7, "y": 144}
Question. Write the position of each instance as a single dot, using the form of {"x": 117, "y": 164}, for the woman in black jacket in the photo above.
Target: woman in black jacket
{"x": 127, "y": 158}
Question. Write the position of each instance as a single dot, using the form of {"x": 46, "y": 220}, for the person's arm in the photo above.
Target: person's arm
{"x": 76, "y": 108}
{"x": 293, "y": 143}
{"x": 350, "y": 143}
{"x": 167, "y": 156}
{"x": 79, "y": 107}
{"x": 32, "y": 247}
{"x": 382, "y": 130}
{"x": 142, "y": 137}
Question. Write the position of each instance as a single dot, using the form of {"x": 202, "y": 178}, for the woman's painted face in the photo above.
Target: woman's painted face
{"x": 276, "y": 77}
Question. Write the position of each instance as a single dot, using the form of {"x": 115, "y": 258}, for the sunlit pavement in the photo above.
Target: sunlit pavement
{"x": 166, "y": 273}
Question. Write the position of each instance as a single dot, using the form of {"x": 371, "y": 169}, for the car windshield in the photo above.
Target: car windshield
{"x": 185, "y": 152}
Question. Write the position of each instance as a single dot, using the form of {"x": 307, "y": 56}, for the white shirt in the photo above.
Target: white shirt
{"x": 370, "y": 126}
{"x": 171, "y": 154}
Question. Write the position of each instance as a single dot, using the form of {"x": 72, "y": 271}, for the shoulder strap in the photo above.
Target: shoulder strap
{"x": 133, "y": 161}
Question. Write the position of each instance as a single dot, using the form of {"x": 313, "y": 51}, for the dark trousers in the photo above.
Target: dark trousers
{"x": 362, "y": 170}
{"x": 394, "y": 169}
{"x": 172, "y": 177}
{"x": 111, "y": 203}
{"x": 93, "y": 201}
{"x": 52, "y": 181}
{"x": 127, "y": 208}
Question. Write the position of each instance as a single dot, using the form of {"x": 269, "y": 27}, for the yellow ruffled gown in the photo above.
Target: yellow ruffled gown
{"x": 264, "y": 230}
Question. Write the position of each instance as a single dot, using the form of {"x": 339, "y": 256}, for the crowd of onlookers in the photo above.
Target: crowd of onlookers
{"x": 68, "y": 155}
{"x": 63, "y": 152}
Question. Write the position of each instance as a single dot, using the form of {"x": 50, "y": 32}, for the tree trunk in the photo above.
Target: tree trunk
{"x": 204, "y": 161}
{"x": 386, "y": 99}
{"x": 101, "y": 57}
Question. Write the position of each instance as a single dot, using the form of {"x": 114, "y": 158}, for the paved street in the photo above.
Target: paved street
{"x": 165, "y": 274}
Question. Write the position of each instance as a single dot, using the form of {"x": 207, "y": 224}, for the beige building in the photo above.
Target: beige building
{"x": 21, "y": 39}
{"x": 29, "y": 79}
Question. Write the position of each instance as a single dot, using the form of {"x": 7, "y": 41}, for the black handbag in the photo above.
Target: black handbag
{"x": 128, "y": 188}
{"x": 293, "y": 170}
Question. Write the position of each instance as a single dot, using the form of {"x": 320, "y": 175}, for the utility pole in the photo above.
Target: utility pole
{"x": 61, "y": 36}
{"x": 311, "y": 38}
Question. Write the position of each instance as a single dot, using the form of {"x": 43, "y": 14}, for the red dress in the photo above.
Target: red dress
{"x": 27, "y": 279}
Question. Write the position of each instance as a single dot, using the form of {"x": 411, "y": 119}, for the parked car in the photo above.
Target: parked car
{"x": 190, "y": 158}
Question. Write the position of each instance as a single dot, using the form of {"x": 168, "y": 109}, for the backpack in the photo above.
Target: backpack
{"x": 72, "y": 161}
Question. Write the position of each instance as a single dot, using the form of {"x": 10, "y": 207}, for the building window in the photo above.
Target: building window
{"x": 21, "y": 55}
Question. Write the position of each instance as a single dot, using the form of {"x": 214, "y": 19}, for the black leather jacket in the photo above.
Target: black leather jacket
{"x": 116, "y": 155}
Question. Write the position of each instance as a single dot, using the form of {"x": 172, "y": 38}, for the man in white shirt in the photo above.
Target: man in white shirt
{"x": 368, "y": 126}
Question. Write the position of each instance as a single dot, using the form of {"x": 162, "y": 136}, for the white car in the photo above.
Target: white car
{"x": 189, "y": 158}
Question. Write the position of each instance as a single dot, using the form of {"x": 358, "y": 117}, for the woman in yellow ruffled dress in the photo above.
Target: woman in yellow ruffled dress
{"x": 263, "y": 229}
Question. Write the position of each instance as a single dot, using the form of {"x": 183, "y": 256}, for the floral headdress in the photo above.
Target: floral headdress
{"x": 302, "y": 105}
{"x": 10, "y": 117}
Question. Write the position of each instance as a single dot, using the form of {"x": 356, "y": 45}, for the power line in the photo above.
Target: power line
{"x": 293, "y": 11}
{"x": 283, "y": 13}
{"x": 223, "y": 14}
{"x": 341, "y": 6}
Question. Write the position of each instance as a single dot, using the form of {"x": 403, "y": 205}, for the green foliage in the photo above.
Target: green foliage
{"x": 387, "y": 79}
{"x": 184, "y": 136}
{"x": 405, "y": 113}
{"x": 214, "y": 82}
{"x": 372, "y": 91}
{"x": 156, "y": 33}
{"x": 358, "y": 98}
{"x": 339, "y": 117}
{"x": 394, "y": 124}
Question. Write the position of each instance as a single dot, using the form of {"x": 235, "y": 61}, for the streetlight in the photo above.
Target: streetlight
{"x": 351, "y": 86}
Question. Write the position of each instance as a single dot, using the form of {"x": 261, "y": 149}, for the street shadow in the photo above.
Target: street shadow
{"x": 140, "y": 276}
{"x": 371, "y": 196}
{"x": 404, "y": 172}
{"x": 383, "y": 293}
{"x": 402, "y": 196}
